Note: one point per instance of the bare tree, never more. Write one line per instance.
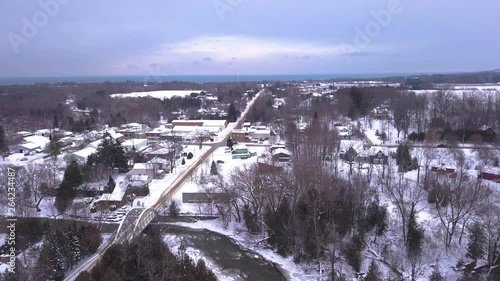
(463, 196)
(405, 195)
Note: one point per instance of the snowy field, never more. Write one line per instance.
(157, 94)
(463, 90)
(371, 127)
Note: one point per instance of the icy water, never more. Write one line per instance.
(229, 257)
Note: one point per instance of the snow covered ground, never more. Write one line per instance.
(371, 127)
(224, 169)
(157, 94)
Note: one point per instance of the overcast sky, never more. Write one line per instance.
(176, 37)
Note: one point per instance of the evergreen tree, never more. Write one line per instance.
(477, 241)
(202, 272)
(183, 162)
(213, 169)
(120, 158)
(232, 114)
(55, 122)
(414, 236)
(110, 152)
(277, 228)
(50, 262)
(55, 146)
(3, 142)
(403, 159)
(110, 186)
(66, 191)
(373, 273)
(72, 175)
(173, 209)
(352, 251)
(74, 248)
(229, 143)
(436, 275)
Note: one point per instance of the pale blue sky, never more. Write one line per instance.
(175, 37)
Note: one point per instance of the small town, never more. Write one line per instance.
(249, 141)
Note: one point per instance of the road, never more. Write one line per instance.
(166, 196)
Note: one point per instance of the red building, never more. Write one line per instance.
(491, 175)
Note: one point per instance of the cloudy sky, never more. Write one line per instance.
(179, 37)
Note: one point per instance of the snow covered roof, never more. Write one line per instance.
(140, 166)
(94, 144)
(115, 135)
(281, 151)
(355, 144)
(30, 145)
(43, 131)
(214, 123)
(38, 140)
(141, 178)
(135, 142)
(85, 153)
(160, 130)
(158, 160)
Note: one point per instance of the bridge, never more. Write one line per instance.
(136, 220)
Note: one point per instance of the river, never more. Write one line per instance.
(230, 258)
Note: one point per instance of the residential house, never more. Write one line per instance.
(379, 157)
(492, 174)
(81, 155)
(142, 169)
(344, 132)
(116, 198)
(281, 155)
(133, 131)
(27, 148)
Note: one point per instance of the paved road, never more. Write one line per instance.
(169, 192)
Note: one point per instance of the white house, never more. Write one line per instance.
(28, 147)
(38, 140)
(80, 156)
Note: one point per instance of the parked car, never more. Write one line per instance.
(442, 145)
(24, 159)
(220, 162)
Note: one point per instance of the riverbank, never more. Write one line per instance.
(238, 235)
(224, 256)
